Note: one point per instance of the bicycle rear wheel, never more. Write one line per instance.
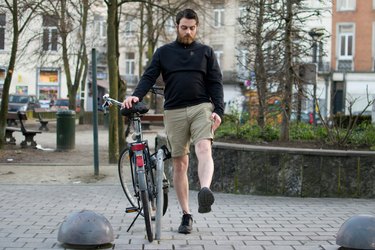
(147, 215)
(126, 171)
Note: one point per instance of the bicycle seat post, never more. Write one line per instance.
(137, 136)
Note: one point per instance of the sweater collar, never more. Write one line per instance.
(185, 45)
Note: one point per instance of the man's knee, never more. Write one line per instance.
(180, 162)
(203, 147)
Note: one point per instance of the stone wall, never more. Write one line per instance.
(247, 169)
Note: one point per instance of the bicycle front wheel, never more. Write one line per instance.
(147, 215)
(126, 170)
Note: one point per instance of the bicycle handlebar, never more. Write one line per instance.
(138, 107)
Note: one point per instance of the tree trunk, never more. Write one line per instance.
(113, 148)
(288, 84)
(9, 75)
(260, 70)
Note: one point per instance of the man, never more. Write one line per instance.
(193, 108)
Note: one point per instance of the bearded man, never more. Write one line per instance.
(193, 108)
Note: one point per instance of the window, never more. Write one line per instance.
(346, 41)
(50, 34)
(243, 15)
(345, 5)
(219, 56)
(48, 76)
(100, 26)
(129, 29)
(218, 17)
(242, 64)
(2, 31)
(129, 63)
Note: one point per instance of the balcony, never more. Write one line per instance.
(345, 65)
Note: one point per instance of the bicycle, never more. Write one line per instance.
(142, 173)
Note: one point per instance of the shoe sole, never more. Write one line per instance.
(184, 231)
(205, 200)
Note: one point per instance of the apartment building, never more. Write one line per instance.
(353, 55)
(219, 28)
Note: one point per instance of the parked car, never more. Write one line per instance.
(63, 104)
(44, 104)
(18, 102)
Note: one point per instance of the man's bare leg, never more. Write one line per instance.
(205, 172)
(205, 162)
(180, 181)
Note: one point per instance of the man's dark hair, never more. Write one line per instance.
(187, 13)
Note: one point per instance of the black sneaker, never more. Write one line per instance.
(186, 224)
(205, 200)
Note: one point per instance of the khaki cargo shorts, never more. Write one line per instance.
(188, 125)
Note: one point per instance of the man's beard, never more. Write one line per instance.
(185, 39)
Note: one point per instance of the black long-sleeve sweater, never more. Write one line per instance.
(191, 74)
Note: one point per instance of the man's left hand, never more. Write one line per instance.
(217, 121)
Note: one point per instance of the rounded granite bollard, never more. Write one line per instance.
(85, 228)
(358, 232)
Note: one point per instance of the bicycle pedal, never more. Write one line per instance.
(131, 209)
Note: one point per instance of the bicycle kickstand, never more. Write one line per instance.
(136, 217)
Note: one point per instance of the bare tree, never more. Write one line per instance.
(71, 20)
(154, 16)
(274, 34)
(339, 135)
(22, 12)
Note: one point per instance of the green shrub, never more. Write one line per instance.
(364, 134)
(301, 131)
(233, 128)
(270, 133)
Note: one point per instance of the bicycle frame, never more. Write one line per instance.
(147, 172)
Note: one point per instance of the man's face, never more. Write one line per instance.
(186, 31)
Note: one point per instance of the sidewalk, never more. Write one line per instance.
(34, 200)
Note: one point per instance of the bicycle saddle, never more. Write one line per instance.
(139, 107)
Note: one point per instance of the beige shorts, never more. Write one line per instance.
(188, 125)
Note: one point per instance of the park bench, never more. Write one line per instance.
(27, 133)
(152, 119)
(12, 118)
(43, 122)
(9, 138)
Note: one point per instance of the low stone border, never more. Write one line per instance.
(248, 169)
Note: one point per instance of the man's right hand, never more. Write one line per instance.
(128, 102)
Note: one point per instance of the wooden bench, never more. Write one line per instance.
(9, 138)
(12, 118)
(27, 133)
(152, 119)
(44, 122)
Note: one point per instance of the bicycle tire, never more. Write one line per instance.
(126, 171)
(165, 194)
(147, 215)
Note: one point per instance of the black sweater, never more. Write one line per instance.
(191, 74)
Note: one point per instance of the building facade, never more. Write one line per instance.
(353, 53)
(345, 56)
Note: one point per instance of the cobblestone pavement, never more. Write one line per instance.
(30, 216)
(33, 206)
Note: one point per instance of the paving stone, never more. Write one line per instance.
(30, 217)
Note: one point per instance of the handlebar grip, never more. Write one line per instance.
(139, 107)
